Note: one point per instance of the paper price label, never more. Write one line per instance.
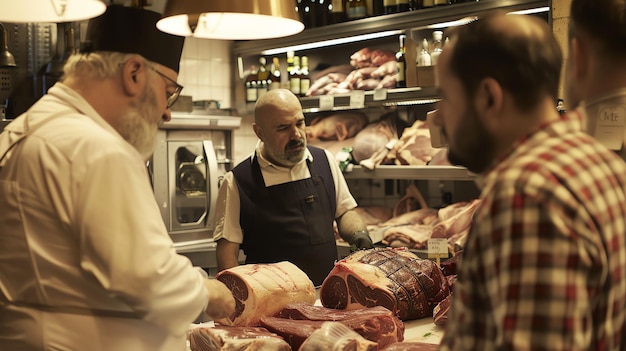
(609, 126)
(380, 94)
(438, 248)
(357, 99)
(327, 102)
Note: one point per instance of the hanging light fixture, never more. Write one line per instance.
(24, 11)
(6, 58)
(231, 19)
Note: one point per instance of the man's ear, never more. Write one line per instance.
(258, 131)
(488, 102)
(134, 76)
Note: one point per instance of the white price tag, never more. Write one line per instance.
(380, 94)
(357, 99)
(327, 102)
(438, 248)
(609, 126)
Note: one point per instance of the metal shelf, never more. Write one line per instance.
(400, 21)
(359, 99)
(411, 173)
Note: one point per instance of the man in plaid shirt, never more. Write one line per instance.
(544, 266)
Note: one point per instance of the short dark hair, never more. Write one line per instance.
(528, 66)
(604, 21)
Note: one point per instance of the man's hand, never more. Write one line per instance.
(221, 300)
(361, 240)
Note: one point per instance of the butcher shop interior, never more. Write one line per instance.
(362, 71)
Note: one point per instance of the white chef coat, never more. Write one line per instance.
(228, 204)
(80, 231)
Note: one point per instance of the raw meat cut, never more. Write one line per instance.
(393, 278)
(414, 147)
(440, 312)
(298, 321)
(413, 236)
(334, 336)
(411, 346)
(375, 136)
(456, 227)
(411, 201)
(376, 324)
(373, 214)
(226, 338)
(264, 289)
(367, 57)
(338, 126)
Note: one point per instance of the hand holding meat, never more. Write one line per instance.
(221, 300)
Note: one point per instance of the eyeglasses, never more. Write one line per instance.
(172, 96)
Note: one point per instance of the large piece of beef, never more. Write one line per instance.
(394, 278)
(334, 336)
(264, 289)
(226, 338)
(296, 322)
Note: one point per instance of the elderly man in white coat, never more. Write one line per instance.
(86, 262)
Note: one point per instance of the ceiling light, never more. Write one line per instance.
(55, 11)
(231, 19)
(6, 58)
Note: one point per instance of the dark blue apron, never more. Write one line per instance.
(291, 221)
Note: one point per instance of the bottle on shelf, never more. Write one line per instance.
(305, 79)
(357, 9)
(403, 5)
(275, 75)
(390, 6)
(262, 77)
(294, 76)
(251, 85)
(401, 63)
(437, 46)
(441, 2)
(424, 59)
(338, 12)
(428, 3)
(378, 7)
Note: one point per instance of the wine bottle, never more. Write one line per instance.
(437, 46)
(294, 76)
(402, 5)
(338, 11)
(305, 79)
(251, 85)
(356, 9)
(424, 59)
(262, 77)
(390, 6)
(401, 63)
(275, 75)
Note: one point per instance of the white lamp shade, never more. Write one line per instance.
(24, 11)
(231, 19)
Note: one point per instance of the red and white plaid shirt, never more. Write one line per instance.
(544, 267)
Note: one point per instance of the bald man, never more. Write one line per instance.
(280, 203)
(544, 266)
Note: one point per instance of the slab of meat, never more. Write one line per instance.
(334, 336)
(225, 338)
(264, 289)
(414, 147)
(298, 321)
(412, 236)
(376, 135)
(440, 312)
(373, 214)
(456, 227)
(393, 278)
(338, 126)
(411, 346)
(376, 324)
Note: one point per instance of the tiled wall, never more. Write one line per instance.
(207, 73)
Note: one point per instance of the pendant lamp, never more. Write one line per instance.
(53, 11)
(231, 19)
(6, 57)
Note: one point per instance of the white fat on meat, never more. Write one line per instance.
(264, 289)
